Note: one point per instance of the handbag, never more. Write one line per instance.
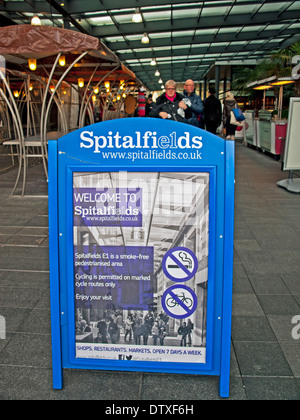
(238, 114)
(130, 104)
(233, 120)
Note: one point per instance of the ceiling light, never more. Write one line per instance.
(153, 62)
(137, 17)
(145, 39)
(160, 81)
(264, 82)
(62, 60)
(81, 82)
(157, 73)
(283, 81)
(32, 63)
(35, 21)
(262, 87)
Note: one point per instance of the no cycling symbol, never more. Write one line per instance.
(180, 264)
(179, 301)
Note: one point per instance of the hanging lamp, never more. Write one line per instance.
(80, 82)
(145, 39)
(62, 60)
(35, 21)
(137, 17)
(32, 63)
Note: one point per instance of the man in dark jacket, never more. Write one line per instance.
(212, 112)
(171, 105)
(183, 331)
(196, 103)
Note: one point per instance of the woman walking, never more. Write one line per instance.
(229, 104)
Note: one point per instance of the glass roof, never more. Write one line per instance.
(193, 35)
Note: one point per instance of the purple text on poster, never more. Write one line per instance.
(107, 206)
(114, 277)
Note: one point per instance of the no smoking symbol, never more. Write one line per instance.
(180, 264)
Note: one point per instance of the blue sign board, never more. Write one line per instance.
(140, 255)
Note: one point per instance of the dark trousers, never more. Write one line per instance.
(212, 128)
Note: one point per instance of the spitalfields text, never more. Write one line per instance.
(147, 140)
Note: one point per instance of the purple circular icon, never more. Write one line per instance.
(180, 264)
(179, 301)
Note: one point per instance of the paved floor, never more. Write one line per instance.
(265, 356)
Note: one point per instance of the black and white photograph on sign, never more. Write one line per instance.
(141, 265)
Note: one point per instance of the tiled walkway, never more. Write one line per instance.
(265, 356)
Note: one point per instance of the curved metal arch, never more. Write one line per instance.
(81, 120)
(54, 91)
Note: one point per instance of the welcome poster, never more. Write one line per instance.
(141, 265)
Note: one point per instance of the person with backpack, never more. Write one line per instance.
(212, 112)
(229, 104)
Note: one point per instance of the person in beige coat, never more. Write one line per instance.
(229, 104)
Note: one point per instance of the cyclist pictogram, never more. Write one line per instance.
(179, 301)
(171, 302)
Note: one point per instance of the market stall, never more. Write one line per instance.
(52, 81)
(291, 159)
(269, 128)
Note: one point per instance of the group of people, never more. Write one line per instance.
(152, 324)
(189, 108)
(137, 328)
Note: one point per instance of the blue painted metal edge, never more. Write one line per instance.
(220, 338)
(57, 370)
(68, 332)
(228, 268)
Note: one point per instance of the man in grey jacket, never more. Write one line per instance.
(196, 103)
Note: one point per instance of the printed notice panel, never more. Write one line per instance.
(107, 207)
(111, 274)
(141, 265)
